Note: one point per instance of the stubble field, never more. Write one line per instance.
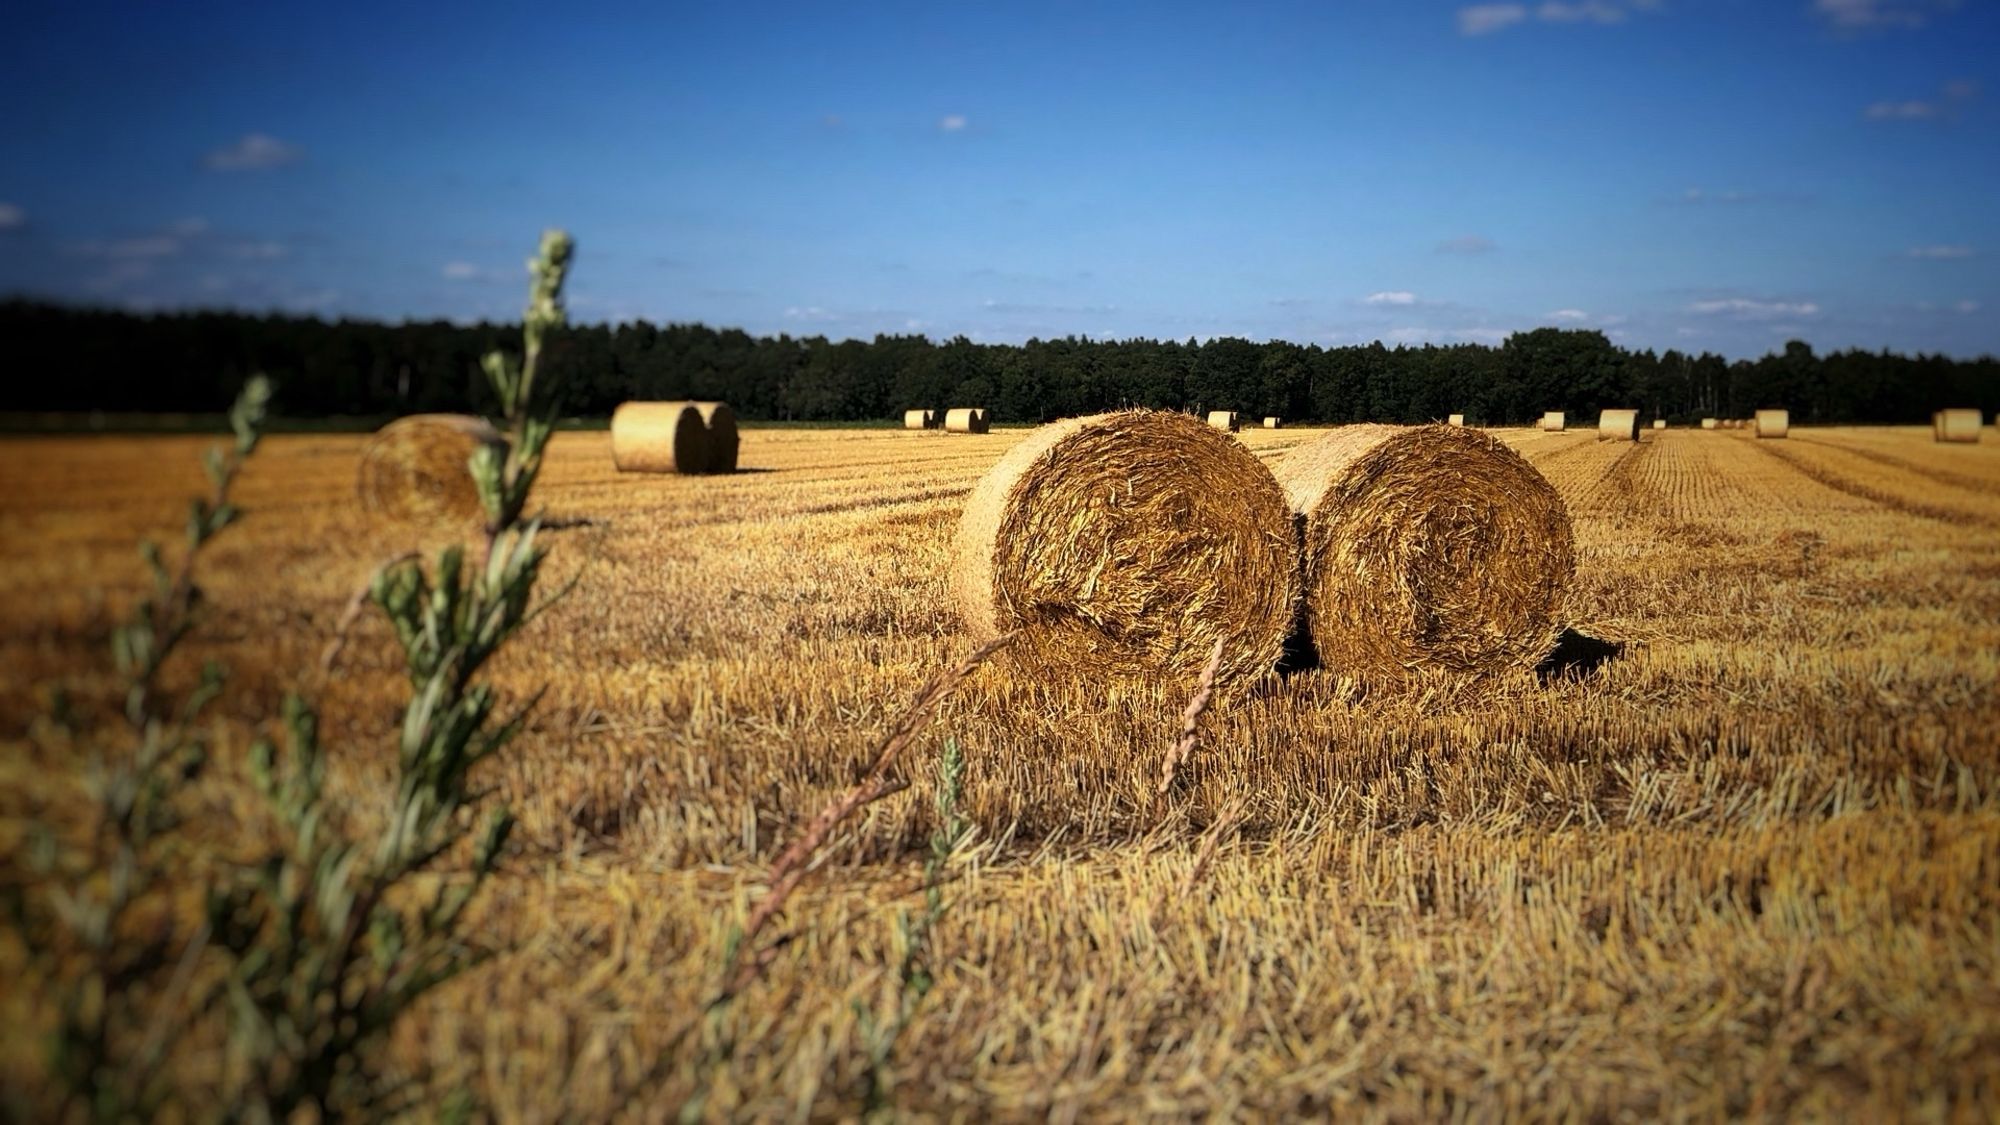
(1748, 864)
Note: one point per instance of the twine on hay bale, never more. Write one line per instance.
(1773, 423)
(674, 437)
(1552, 420)
(1957, 425)
(1618, 425)
(1224, 420)
(965, 420)
(920, 419)
(1427, 549)
(416, 469)
(1125, 545)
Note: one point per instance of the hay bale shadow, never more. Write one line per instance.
(1578, 654)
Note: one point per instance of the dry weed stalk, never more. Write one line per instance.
(1232, 815)
(1197, 706)
(746, 960)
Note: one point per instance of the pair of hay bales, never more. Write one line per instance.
(1126, 545)
(1958, 425)
(674, 437)
(1618, 425)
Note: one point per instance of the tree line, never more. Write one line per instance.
(87, 359)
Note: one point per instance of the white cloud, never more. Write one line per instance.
(812, 313)
(1590, 11)
(1967, 306)
(1569, 314)
(1466, 244)
(12, 217)
(1484, 19)
(1939, 253)
(1861, 15)
(1391, 297)
(253, 152)
(1743, 308)
(952, 122)
(461, 271)
(1900, 111)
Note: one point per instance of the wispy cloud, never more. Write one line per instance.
(952, 123)
(253, 152)
(1569, 315)
(1950, 99)
(1745, 308)
(1390, 297)
(812, 314)
(1939, 253)
(1485, 19)
(1466, 244)
(1700, 197)
(462, 271)
(1966, 306)
(1868, 15)
(12, 217)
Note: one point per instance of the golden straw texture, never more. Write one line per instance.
(1428, 549)
(1126, 545)
(1958, 425)
(415, 469)
(1773, 423)
(1618, 425)
(659, 437)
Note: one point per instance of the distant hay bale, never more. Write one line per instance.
(1456, 420)
(1708, 423)
(660, 437)
(1223, 420)
(416, 469)
(723, 441)
(1273, 422)
(1427, 549)
(1125, 545)
(920, 419)
(1659, 423)
(1552, 420)
(1959, 425)
(965, 420)
(1618, 425)
(1773, 423)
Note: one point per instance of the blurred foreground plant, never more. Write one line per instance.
(315, 951)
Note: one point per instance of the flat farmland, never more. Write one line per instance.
(1740, 857)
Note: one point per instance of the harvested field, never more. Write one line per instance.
(1735, 857)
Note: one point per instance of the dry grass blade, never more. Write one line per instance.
(1190, 721)
(875, 784)
(1232, 815)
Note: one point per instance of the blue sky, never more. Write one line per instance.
(1700, 174)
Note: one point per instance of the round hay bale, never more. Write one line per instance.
(1708, 423)
(659, 437)
(919, 419)
(1773, 423)
(1224, 420)
(1552, 420)
(1958, 425)
(965, 420)
(1125, 545)
(1273, 422)
(1428, 549)
(720, 422)
(1455, 420)
(1659, 423)
(416, 470)
(1618, 425)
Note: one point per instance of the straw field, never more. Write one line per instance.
(1741, 859)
